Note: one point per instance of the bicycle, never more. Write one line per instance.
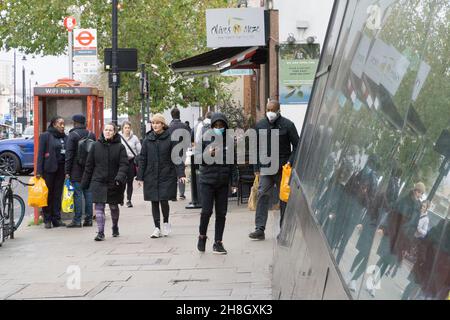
(12, 207)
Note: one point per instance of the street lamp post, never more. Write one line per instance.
(24, 99)
(14, 92)
(30, 95)
(114, 62)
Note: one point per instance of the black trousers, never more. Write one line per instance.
(214, 196)
(55, 184)
(157, 215)
(130, 178)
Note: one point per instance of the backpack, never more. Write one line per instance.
(84, 146)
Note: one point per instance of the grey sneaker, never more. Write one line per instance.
(258, 234)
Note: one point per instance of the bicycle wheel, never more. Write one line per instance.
(18, 210)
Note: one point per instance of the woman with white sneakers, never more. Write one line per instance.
(159, 174)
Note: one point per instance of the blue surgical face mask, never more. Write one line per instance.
(219, 130)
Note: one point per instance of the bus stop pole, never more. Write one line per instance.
(115, 72)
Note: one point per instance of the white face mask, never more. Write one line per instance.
(207, 121)
(271, 116)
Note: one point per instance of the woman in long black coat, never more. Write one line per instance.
(106, 175)
(50, 166)
(159, 173)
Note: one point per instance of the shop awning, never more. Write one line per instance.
(222, 59)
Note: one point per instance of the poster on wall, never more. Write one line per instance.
(298, 65)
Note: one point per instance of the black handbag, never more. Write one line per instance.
(136, 157)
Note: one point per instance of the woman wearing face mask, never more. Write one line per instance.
(50, 166)
(159, 174)
(133, 147)
(106, 175)
(215, 178)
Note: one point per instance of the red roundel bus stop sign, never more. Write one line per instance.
(70, 23)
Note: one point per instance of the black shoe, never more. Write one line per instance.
(58, 223)
(87, 223)
(100, 236)
(48, 225)
(115, 231)
(218, 248)
(258, 234)
(201, 243)
(129, 204)
(74, 225)
(182, 198)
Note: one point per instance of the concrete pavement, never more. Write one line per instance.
(63, 263)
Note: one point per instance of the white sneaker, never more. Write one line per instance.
(156, 233)
(166, 229)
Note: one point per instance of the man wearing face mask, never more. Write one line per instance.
(287, 145)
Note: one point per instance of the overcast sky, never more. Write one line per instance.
(46, 69)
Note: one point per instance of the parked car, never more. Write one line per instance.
(17, 155)
(28, 132)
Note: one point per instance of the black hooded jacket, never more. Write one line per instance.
(217, 173)
(287, 136)
(106, 171)
(49, 152)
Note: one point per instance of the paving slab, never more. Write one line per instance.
(40, 263)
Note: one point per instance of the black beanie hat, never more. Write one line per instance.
(79, 118)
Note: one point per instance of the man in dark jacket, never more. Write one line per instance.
(74, 171)
(174, 125)
(287, 137)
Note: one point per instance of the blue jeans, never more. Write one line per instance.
(78, 203)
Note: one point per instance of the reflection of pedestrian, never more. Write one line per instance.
(418, 252)
(159, 173)
(328, 204)
(430, 274)
(403, 221)
(359, 193)
(50, 165)
(106, 175)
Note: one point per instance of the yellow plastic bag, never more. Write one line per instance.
(67, 203)
(253, 199)
(37, 193)
(284, 185)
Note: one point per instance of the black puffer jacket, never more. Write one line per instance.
(106, 171)
(156, 168)
(217, 174)
(72, 167)
(287, 136)
(49, 153)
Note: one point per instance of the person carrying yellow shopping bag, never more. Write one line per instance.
(253, 199)
(277, 137)
(67, 203)
(284, 185)
(51, 158)
(37, 192)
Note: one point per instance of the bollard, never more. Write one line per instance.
(194, 204)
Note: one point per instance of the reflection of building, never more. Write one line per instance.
(5, 86)
(385, 115)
